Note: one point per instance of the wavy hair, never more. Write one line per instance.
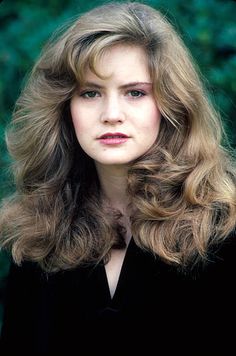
(182, 191)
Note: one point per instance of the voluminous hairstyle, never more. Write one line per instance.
(182, 191)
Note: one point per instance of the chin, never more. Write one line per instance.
(114, 162)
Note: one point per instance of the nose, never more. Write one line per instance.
(112, 111)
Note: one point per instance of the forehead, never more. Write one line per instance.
(120, 61)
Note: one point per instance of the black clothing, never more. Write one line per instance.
(156, 309)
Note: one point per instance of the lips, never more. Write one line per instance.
(110, 135)
(113, 138)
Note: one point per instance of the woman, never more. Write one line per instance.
(122, 226)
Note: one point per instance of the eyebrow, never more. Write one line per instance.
(124, 86)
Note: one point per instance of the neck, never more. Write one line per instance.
(113, 181)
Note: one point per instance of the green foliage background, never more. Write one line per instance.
(208, 27)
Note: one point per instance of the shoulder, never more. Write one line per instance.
(26, 270)
(220, 263)
(22, 280)
(224, 252)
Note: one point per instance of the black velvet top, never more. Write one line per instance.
(156, 309)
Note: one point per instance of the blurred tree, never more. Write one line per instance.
(207, 27)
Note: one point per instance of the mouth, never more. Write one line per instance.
(114, 138)
(110, 135)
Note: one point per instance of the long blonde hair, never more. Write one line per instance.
(182, 190)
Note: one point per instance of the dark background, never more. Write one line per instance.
(208, 27)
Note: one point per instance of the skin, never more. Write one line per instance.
(122, 103)
(117, 105)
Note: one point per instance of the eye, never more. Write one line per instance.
(89, 94)
(136, 93)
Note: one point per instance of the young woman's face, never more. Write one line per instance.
(116, 119)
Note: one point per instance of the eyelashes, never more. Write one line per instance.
(136, 93)
(91, 94)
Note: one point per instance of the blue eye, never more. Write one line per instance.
(136, 93)
(89, 94)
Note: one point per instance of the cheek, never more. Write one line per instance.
(151, 127)
(74, 114)
(77, 118)
(81, 131)
(153, 119)
(77, 124)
